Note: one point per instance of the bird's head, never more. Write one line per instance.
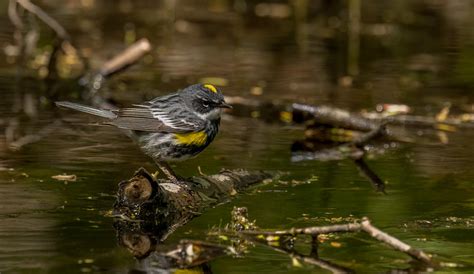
(205, 100)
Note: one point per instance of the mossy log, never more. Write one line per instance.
(158, 206)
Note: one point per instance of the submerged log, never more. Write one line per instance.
(159, 207)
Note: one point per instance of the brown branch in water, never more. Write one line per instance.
(337, 117)
(284, 240)
(280, 111)
(364, 225)
(119, 62)
(394, 242)
(423, 121)
(315, 230)
(43, 16)
(126, 58)
(13, 15)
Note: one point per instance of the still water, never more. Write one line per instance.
(417, 53)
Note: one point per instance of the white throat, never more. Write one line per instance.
(211, 115)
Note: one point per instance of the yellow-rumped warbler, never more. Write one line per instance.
(173, 127)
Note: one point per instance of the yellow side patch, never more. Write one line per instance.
(193, 138)
(211, 88)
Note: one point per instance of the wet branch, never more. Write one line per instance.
(364, 225)
(394, 242)
(313, 231)
(423, 121)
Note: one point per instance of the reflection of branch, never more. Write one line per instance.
(33, 138)
(191, 252)
(378, 184)
(186, 254)
(312, 260)
(365, 226)
(360, 141)
(337, 153)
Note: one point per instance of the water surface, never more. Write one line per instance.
(417, 53)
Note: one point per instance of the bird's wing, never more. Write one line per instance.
(159, 115)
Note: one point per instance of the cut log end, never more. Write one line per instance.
(138, 190)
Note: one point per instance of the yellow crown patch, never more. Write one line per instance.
(211, 88)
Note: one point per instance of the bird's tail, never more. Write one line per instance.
(90, 110)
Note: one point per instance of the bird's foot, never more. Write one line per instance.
(169, 173)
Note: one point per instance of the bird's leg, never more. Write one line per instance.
(166, 169)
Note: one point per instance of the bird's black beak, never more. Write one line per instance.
(224, 105)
